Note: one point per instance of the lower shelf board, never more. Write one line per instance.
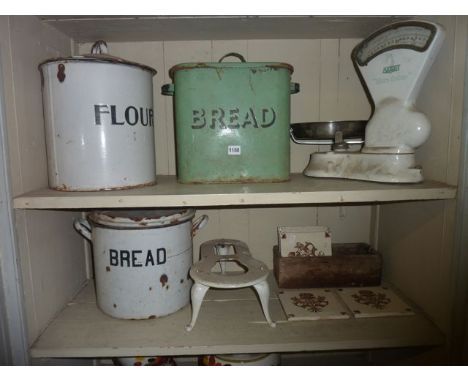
(230, 321)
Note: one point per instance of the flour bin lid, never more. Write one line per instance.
(98, 55)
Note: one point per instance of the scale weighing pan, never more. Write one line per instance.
(325, 133)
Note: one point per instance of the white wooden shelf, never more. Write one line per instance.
(183, 28)
(299, 190)
(229, 322)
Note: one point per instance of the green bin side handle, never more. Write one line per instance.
(168, 89)
(294, 88)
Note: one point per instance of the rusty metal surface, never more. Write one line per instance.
(66, 188)
(236, 181)
(231, 65)
(140, 219)
(97, 58)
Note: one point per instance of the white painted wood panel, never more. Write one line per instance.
(8, 88)
(160, 28)
(417, 239)
(435, 100)
(329, 79)
(221, 47)
(51, 255)
(228, 323)
(413, 255)
(348, 224)
(352, 101)
(342, 98)
(299, 190)
(56, 261)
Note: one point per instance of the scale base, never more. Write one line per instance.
(385, 168)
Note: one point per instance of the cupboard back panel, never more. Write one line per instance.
(330, 90)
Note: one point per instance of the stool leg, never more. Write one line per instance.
(263, 290)
(197, 292)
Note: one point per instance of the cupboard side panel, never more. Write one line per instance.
(10, 107)
(417, 239)
(411, 236)
(436, 100)
(15, 170)
(458, 155)
(51, 254)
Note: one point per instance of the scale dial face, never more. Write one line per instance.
(412, 35)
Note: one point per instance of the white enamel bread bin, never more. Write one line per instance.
(142, 260)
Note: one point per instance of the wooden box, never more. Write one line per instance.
(351, 264)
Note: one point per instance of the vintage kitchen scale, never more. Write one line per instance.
(392, 64)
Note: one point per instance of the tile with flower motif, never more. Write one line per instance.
(311, 304)
(374, 302)
(310, 241)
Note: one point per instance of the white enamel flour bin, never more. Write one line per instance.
(141, 260)
(99, 123)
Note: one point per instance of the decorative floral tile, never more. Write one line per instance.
(310, 241)
(373, 302)
(312, 304)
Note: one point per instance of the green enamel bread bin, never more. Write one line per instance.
(232, 120)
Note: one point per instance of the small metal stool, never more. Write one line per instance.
(218, 251)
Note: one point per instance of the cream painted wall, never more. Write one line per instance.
(51, 254)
